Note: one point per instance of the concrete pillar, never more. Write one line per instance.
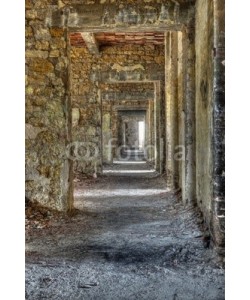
(157, 125)
(174, 108)
(106, 137)
(190, 169)
(114, 126)
(182, 132)
(147, 133)
(171, 75)
(180, 152)
(68, 164)
(218, 205)
(167, 103)
(150, 150)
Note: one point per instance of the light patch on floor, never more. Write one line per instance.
(128, 171)
(128, 162)
(120, 192)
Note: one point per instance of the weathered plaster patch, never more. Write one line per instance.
(75, 116)
(31, 132)
(118, 67)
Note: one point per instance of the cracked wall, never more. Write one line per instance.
(210, 105)
(48, 178)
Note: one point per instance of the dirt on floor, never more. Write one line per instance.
(130, 238)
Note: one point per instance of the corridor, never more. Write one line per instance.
(131, 239)
(125, 149)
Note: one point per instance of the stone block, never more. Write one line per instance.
(28, 32)
(36, 53)
(42, 45)
(56, 32)
(57, 43)
(39, 101)
(31, 132)
(42, 34)
(28, 4)
(41, 65)
(31, 14)
(29, 90)
(54, 53)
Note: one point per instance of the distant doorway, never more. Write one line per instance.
(141, 134)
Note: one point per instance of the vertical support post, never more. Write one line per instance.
(68, 113)
(190, 169)
(179, 153)
(167, 104)
(158, 122)
(124, 133)
(182, 88)
(150, 128)
(174, 108)
(218, 205)
(171, 75)
(101, 146)
(157, 125)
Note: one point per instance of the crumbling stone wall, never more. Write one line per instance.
(47, 124)
(210, 105)
(92, 75)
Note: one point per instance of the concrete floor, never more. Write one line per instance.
(131, 239)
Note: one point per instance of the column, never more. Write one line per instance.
(190, 169)
(218, 205)
(171, 77)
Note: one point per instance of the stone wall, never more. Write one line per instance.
(96, 79)
(210, 117)
(47, 122)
